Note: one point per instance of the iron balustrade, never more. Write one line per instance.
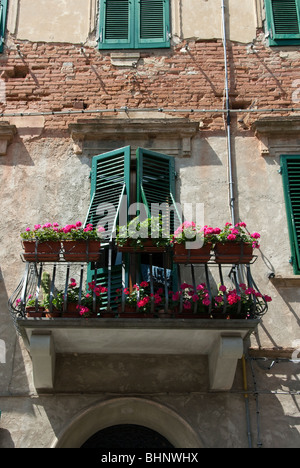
(30, 286)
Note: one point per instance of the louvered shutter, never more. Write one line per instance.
(153, 23)
(110, 184)
(116, 24)
(156, 183)
(3, 14)
(134, 24)
(291, 180)
(156, 186)
(283, 20)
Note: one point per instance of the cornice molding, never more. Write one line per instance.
(105, 129)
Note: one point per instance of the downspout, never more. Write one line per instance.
(228, 121)
(245, 384)
(232, 202)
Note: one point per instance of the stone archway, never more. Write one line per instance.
(130, 436)
(128, 411)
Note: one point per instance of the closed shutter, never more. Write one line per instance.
(283, 19)
(3, 14)
(153, 23)
(291, 180)
(116, 24)
(110, 184)
(134, 24)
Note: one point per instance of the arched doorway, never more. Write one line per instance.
(131, 436)
(128, 411)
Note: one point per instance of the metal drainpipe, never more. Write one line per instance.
(228, 121)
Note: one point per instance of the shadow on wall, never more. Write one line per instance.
(5, 439)
(17, 155)
(13, 377)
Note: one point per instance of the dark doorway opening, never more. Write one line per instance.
(127, 436)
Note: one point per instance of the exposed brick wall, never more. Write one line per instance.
(51, 77)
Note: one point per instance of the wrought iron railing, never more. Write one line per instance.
(67, 283)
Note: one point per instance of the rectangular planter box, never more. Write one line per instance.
(81, 251)
(41, 251)
(233, 253)
(186, 256)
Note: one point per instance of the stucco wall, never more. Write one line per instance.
(76, 21)
(44, 177)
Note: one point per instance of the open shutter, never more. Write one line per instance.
(153, 23)
(3, 14)
(283, 20)
(291, 180)
(110, 185)
(156, 182)
(156, 186)
(116, 24)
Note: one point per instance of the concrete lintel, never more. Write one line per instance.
(223, 362)
(43, 360)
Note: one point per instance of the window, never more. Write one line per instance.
(134, 24)
(3, 14)
(283, 22)
(290, 166)
(118, 180)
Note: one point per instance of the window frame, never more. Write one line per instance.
(276, 39)
(134, 40)
(295, 245)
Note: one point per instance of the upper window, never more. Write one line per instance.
(134, 24)
(283, 22)
(290, 166)
(3, 13)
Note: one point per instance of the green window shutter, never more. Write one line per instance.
(134, 24)
(283, 22)
(291, 182)
(156, 182)
(110, 182)
(3, 15)
(153, 23)
(156, 185)
(116, 24)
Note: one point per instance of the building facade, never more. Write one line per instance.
(208, 95)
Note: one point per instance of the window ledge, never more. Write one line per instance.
(125, 59)
(288, 281)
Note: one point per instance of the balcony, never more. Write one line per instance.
(175, 325)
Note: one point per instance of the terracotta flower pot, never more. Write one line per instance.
(41, 251)
(32, 313)
(183, 255)
(54, 314)
(72, 311)
(81, 251)
(232, 252)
